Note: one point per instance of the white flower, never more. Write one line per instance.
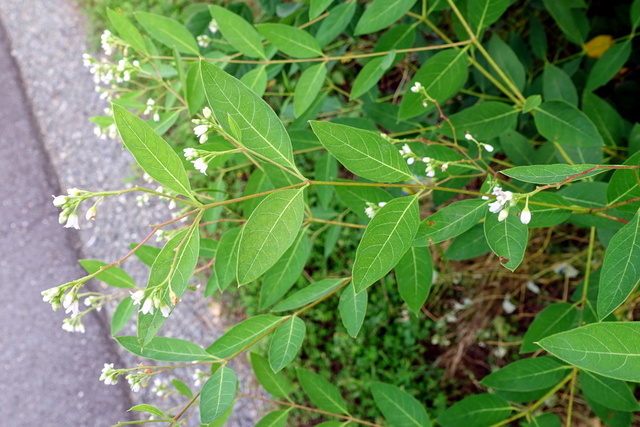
(201, 130)
(203, 138)
(59, 201)
(382, 204)
(190, 153)
(369, 212)
(156, 117)
(410, 160)
(533, 287)
(213, 26)
(51, 294)
(200, 165)
(525, 215)
(165, 310)
(507, 305)
(137, 296)
(503, 215)
(70, 304)
(109, 374)
(105, 40)
(495, 207)
(488, 147)
(91, 213)
(147, 307)
(206, 112)
(566, 269)
(468, 136)
(444, 166)
(417, 86)
(430, 171)
(406, 149)
(72, 222)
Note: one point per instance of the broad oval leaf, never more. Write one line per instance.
(269, 232)
(217, 394)
(613, 394)
(414, 274)
(450, 221)
(243, 335)
(113, 276)
(611, 349)
(563, 123)
(479, 410)
(227, 257)
(620, 274)
(164, 349)
(484, 121)
(442, 75)
(528, 375)
(543, 215)
(127, 31)
(353, 308)
(308, 87)
(382, 13)
(256, 80)
(286, 342)
(385, 241)
(399, 408)
(317, 7)
(262, 131)
(333, 25)
(552, 174)
(623, 185)
(556, 84)
(470, 244)
(121, 315)
(364, 153)
(508, 62)
(507, 239)
(483, 13)
(275, 384)
(168, 32)
(173, 265)
(608, 65)
(307, 295)
(322, 393)
(151, 152)
(368, 77)
(274, 419)
(565, 18)
(239, 33)
(284, 273)
(557, 317)
(292, 41)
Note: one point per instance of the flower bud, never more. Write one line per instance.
(525, 215)
(503, 215)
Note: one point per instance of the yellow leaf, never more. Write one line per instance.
(597, 46)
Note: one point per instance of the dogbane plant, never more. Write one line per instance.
(425, 124)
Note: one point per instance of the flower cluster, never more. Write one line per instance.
(431, 164)
(504, 201)
(197, 157)
(109, 374)
(372, 209)
(69, 204)
(203, 126)
(152, 109)
(151, 302)
(109, 72)
(418, 88)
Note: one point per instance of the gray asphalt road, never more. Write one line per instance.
(48, 377)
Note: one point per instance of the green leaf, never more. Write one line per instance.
(151, 152)
(556, 84)
(256, 80)
(262, 131)
(604, 116)
(364, 153)
(145, 253)
(414, 274)
(554, 318)
(483, 13)
(127, 31)
(113, 276)
(386, 239)
(609, 417)
(274, 419)
(217, 394)
(611, 349)
(227, 257)
(174, 266)
(356, 197)
(291, 41)
(150, 409)
(169, 32)
(322, 393)
(624, 185)
(165, 349)
(507, 239)
(243, 335)
(527, 375)
(484, 121)
(507, 61)
(608, 65)
(368, 77)
(326, 169)
(563, 123)
(353, 308)
(275, 384)
(286, 342)
(614, 394)
(268, 233)
(121, 315)
(239, 33)
(382, 13)
(469, 244)
(442, 76)
(551, 174)
(479, 410)
(307, 295)
(531, 102)
(562, 13)
(398, 407)
(308, 87)
(334, 24)
(182, 388)
(317, 7)
(284, 273)
(194, 89)
(450, 221)
(620, 274)
(545, 420)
